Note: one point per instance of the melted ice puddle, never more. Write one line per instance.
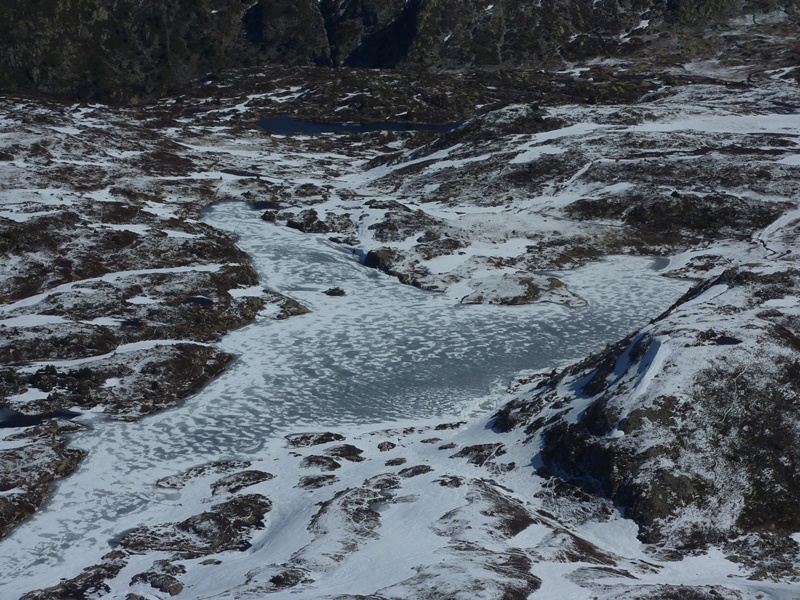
(383, 352)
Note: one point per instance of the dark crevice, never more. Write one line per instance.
(328, 9)
(252, 23)
(387, 47)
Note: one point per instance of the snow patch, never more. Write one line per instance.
(30, 395)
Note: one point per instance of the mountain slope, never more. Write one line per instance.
(125, 50)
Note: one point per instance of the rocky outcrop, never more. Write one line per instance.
(89, 583)
(225, 526)
(30, 463)
(690, 425)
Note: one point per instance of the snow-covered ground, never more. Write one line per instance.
(383, 354)
(439, 510)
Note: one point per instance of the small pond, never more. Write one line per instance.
(286, 125)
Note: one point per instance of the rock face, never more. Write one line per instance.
(370, 33)
(106, 49)
(447, 34)
(290, 32)
(123, 50)
(127, 50)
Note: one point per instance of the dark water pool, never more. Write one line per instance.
(285, 125)
(12, 418)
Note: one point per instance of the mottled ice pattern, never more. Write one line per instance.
(384, 352)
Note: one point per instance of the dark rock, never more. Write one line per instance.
(34, 467)
(347, 452)
(268, 205)
(575, 549)
(168, 584)
(401, 222)
(240, 173)
(504, 420)
(414, 471)
(445, 34)
(215, 468)
(127, 50)
(309, 190)
(446, 426)
(725, 340)
(385, 259)
(308, 221)
(766, 556)
(288, 32)
(288, 578)
(717, 409)
(386, 446)
(441, 247)
(678, 220)
(335, 292)
(348, 518)
(326, 463)
(289, 307)
(113, 50)
(226, 526)
(509, 514)
(395, 462)
(312, 482)
(162, 576)
(237, 481)
(368, 33)
(480, 454)
(90, 583)
(382, 259)
(451, 481)
(304, 440)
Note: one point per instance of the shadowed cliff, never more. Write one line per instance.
(123, 50)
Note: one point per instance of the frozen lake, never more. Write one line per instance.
(384, 352)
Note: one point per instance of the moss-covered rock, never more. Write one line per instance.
(111, 50)
(288, 32)
(124, 50)
(129, 50)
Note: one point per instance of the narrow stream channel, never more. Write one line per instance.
(383, 352)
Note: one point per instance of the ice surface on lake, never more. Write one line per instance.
(383, 352)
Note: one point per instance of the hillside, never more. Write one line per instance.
(125, 51)
(509, 309)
